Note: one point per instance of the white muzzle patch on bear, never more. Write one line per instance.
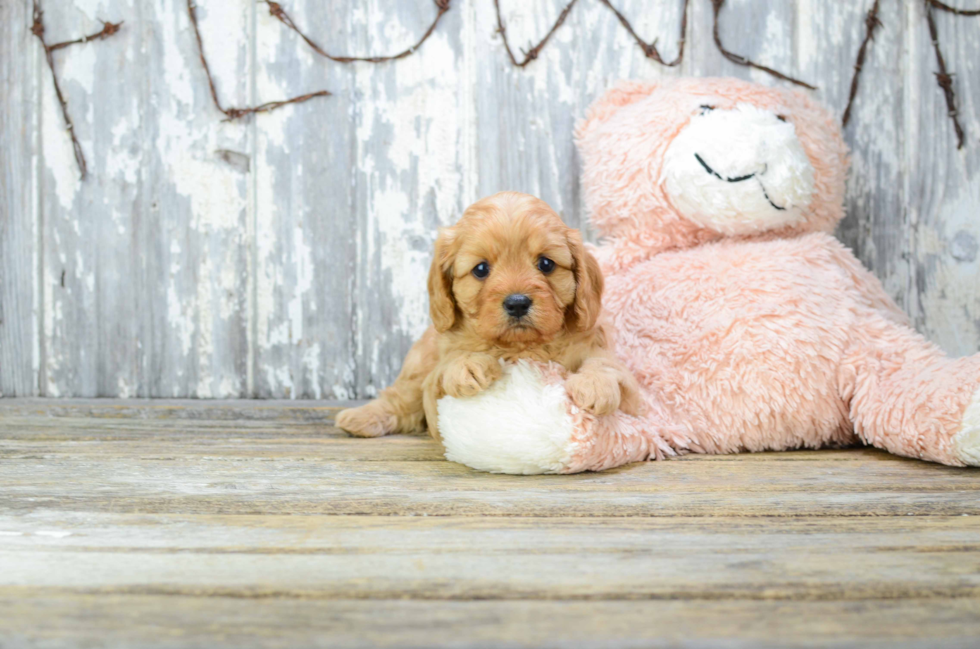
(738, 171)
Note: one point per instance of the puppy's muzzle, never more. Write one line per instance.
(517, 305)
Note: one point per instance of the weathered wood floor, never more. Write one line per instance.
(163, 524)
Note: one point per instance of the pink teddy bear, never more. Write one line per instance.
(748, 326)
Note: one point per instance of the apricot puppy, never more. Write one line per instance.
(509, 281)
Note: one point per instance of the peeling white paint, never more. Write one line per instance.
(123, 389)
(249, 250)
(951, 301)
(311, 363)
(180, 319)
(57, 147)
(122, 162)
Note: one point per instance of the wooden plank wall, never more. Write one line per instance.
(284, 256)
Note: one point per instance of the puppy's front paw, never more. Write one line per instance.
(369, 420)
(595, 393)
(468, 375)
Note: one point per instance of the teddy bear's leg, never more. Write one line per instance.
(600, 443)
(907, 397)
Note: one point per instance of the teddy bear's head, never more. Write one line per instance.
(690, 160)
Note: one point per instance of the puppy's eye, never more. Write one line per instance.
(545, 265)
(781, 118)
(481, 270)
(705, 108)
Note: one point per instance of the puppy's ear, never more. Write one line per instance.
(442, 306)
(583, 313)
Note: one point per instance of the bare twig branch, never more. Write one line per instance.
(871, 23)
(108, 29)
(268, 107)
(741, 60)
(276, 10)
(943, 77)
(650, 49)
(953, 10)
(532, 53)
(37, 28)
(232, 113)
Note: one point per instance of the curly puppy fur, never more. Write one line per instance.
(507, 252)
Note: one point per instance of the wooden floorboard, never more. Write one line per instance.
(231, 524)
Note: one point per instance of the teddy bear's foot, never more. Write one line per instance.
(966, 443)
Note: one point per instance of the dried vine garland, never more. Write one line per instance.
(650, 49)
(944, 78)
(716, 5)
(953, 10)
(871, 23)
(277, 12)
(37, 28)
(230, 112)
(532, 52)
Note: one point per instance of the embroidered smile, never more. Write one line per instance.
(739, 179)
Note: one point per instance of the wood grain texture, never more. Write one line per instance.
(195, 240)
(192, 458)
(223, 524)
(449, 558)
(162, 621)
(944, 184)
(283, 256)
(407, 175)
(305, 257)
(876, 205)
(88, 330)
(19, 66)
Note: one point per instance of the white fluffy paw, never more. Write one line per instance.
(966, 443)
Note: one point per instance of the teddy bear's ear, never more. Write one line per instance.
(622, 94)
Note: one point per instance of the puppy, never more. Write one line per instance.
(508, 281)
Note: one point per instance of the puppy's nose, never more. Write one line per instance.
(517, 305)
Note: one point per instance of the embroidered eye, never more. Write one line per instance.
(545, 265)
(706, 109)
(481, 270)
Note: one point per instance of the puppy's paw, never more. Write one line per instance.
(595, 393)
(468, 375)
(369, 420)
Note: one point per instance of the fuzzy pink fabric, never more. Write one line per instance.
(776, 341)
(600, 443)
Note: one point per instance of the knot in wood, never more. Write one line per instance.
(108, 29)
(872, 22)
(275, 9)
(944, 80)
